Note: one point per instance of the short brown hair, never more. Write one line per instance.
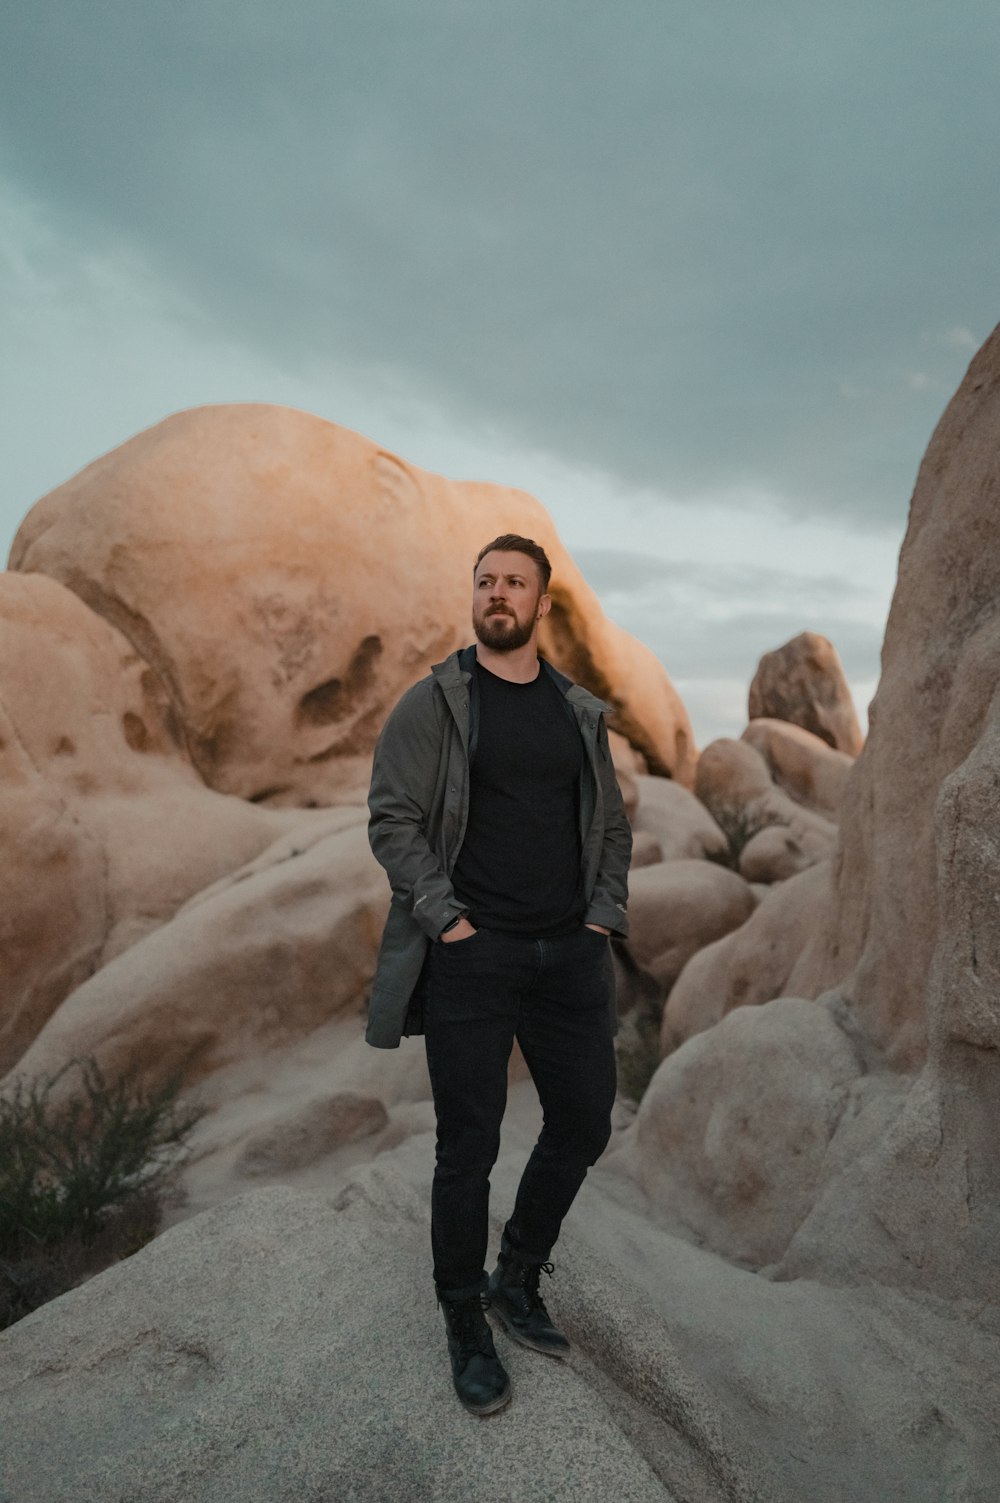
(510, 542)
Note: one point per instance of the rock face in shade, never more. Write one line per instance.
(105, 826)
(907, 804)
(288, 579)
(803, 682)
(906, 957)
(251, 1354)
(917, 883)
(247, 1355)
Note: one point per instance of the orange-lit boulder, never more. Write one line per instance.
(288, 579)
(106, 827)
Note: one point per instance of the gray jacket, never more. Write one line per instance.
(419, 805)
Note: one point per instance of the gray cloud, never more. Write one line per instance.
(711, 625)
(620, 570)
(695, 247)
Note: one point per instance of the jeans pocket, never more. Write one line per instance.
(460, 944)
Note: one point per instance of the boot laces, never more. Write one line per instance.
(468, 1327)
(527, 1275)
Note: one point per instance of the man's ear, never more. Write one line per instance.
(544, 606)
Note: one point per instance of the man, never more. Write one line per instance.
(496, 813)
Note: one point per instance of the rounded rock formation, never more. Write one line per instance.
(803, 682)
(732, 1133)
(754, 963)
(677, 907)
(288, 580)
(734, 783)
(681, 826)
(802, 764)
(106, 827)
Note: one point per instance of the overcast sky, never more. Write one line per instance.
(701, 276)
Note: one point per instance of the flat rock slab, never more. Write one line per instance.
(278, 1348)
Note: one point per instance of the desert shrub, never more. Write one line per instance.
(84, 1175)
(641, 1001)
(739, 827)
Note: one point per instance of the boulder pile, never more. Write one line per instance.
(780, 1281)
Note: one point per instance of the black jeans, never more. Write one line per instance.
(552, 995)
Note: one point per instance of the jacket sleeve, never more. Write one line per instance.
(404, 777)
(609, 900)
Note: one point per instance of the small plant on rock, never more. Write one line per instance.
(739, 827)
(84, 1176)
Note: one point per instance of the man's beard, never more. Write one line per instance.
(502, 632)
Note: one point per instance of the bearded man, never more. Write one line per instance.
(496, 813)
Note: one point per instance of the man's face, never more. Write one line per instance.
(507, 600)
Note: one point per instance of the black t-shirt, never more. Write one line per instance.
(519, 866)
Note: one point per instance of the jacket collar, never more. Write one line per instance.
(456, 671)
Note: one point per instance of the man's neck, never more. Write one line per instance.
(518, 667)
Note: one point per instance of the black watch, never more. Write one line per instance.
(456, 920)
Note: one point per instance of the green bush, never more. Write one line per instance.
(84, 1175)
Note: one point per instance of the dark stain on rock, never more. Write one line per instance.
(335, 699)
(135, 731)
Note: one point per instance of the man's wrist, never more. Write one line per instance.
(452, 924)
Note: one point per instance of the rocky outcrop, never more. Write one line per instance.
(917, 884)
(803, 682)
(255, 1352)
(106, 827)
(288, 579)
(906, 961)
(286, 1345)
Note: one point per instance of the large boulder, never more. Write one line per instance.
(803, 682)
(732, 1134)
(905, 809)
(281, 1348)
(256, 961)
(917, 883)
(106, 827)
(681, 826)
(909, 951)
(753, 964)
(677, 907)
(286, 1346)
(288, 579)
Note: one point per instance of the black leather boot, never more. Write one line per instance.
(481, 1381)
(513, 1295)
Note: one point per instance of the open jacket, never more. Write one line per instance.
(419, 806)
